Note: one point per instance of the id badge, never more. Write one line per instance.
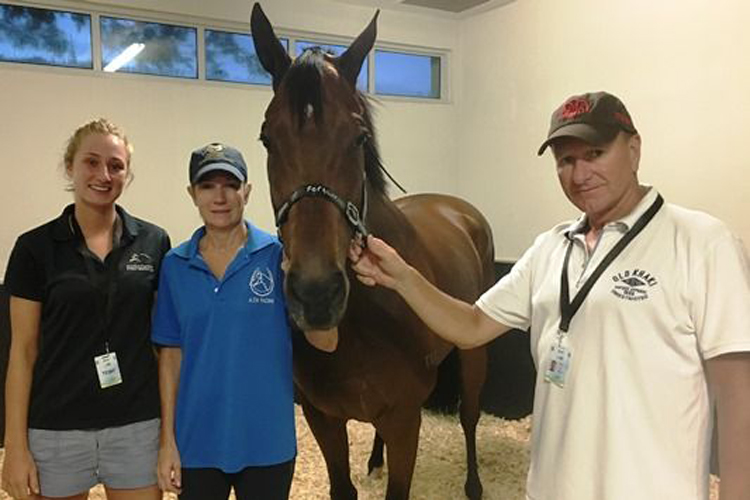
(108, 370)
(559, 362)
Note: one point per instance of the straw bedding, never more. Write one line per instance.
(440, 471)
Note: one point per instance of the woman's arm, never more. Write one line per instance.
(19, 471)
(169, 468)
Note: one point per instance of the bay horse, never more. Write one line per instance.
(377, 362)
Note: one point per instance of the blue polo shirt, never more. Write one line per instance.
(235, 401)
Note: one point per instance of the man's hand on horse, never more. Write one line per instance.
(378, 263)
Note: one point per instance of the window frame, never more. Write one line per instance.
(230, 32)
(63, 10)
(443, 86)
(125, 17)
(200, 24)
(328, 39)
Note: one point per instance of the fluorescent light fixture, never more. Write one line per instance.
(125, 57)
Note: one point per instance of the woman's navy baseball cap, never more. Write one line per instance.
(217, 156)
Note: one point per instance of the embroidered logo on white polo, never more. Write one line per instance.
(633, 284)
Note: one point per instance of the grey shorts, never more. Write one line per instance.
(71, 462)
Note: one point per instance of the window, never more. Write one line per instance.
(336, 50)
(150, 48)
(231, 57)
(61, 38)
(42, 36)
(402, 74)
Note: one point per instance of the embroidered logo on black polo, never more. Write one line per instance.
(262, 285)
(633, 284)
(141, 262)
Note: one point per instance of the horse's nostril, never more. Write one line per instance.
(337, 285)
(319, 301)
(320, 292)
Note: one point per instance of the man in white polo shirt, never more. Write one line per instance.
(639, 314)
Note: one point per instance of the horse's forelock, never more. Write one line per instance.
(303, 83)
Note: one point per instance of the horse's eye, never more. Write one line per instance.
(361, 139)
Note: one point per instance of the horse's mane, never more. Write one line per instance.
(303, 84)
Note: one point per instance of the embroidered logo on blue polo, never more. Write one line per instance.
(140, 262)
(262, 285)
(633, 284)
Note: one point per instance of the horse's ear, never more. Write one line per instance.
(271, 53)
(350, 62)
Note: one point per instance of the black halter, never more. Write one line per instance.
(350, 212)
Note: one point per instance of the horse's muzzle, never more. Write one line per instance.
(316, 303)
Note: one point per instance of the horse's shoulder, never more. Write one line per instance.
(454, 241)
(431, 209)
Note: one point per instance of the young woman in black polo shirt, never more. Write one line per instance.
(82, 401)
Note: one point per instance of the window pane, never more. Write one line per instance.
(150, 48)
(231, 57)
(44, 36)
(411, 75)
(336, 50)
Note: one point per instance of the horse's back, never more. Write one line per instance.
(457, 240)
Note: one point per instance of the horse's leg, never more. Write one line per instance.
(330, 433)
(400, 432)
(473, 372)
(376, 455)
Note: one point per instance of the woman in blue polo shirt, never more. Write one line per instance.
(225, 361)
(82, 400)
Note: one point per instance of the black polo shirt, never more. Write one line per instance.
(88, 304)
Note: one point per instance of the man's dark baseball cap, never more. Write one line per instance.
(217, 156)
(595, 117)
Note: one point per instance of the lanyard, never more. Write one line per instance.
(569, 309)
(105, 288)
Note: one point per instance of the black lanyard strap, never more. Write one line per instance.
(104, 284)
(569, 309)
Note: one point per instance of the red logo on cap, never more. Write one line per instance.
(575, 107)
(623, 118)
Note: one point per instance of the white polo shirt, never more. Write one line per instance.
(633, 420)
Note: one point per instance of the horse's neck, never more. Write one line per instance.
(389, 223)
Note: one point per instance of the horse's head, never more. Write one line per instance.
(322, 162)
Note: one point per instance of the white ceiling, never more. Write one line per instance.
(460, 8)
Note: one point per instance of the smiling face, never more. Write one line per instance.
(99, 170)
(221, 199)
(601, 180)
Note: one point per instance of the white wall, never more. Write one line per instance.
(167, 118)
(682, 68)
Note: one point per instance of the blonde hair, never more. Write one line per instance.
(98, 126)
